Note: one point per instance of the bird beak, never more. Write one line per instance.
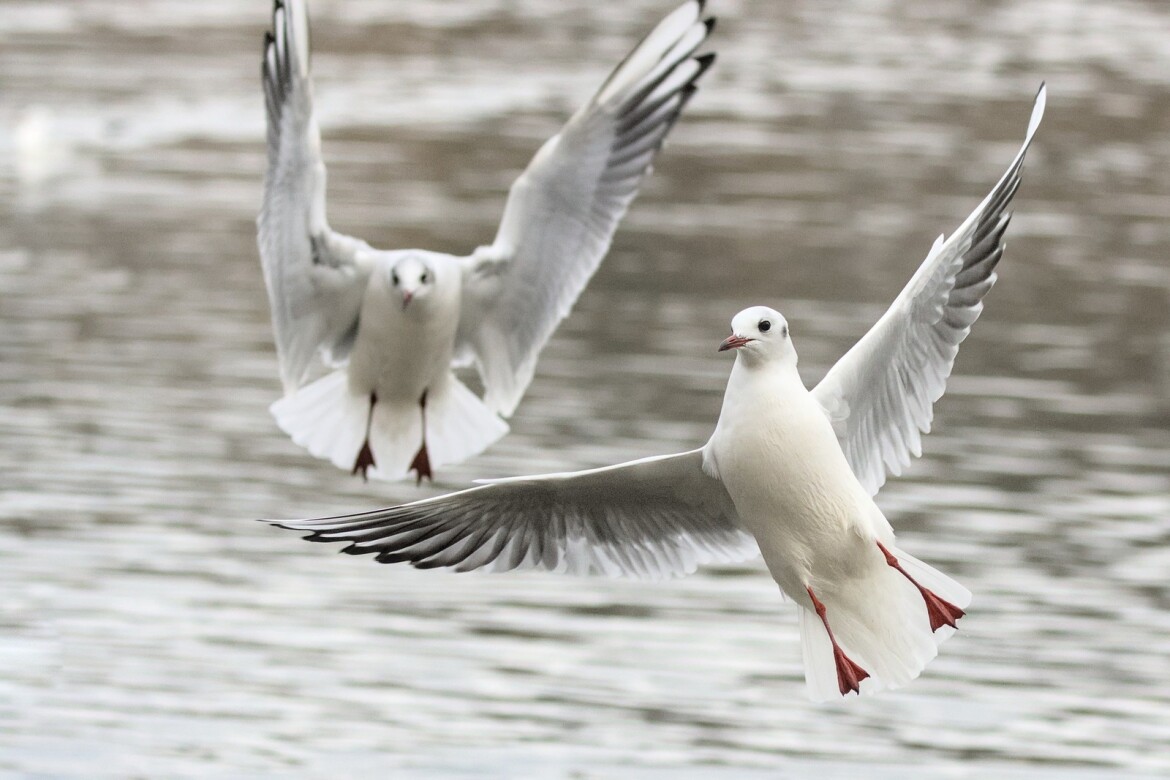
(407, 297)
(733, 342)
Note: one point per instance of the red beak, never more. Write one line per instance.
(407, 297)
(733, 342)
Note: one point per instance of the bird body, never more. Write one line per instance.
(397, 395)
(818, 529)
(402, 350)
(782, 465)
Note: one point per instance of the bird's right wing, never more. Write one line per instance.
(650, 518)
(315, 276)
(880, 395)
(563, 211)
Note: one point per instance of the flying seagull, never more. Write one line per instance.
(393, 324)
(788, 472)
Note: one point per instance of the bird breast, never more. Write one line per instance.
(779, 459)
(400, 352)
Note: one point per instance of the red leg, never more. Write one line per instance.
(941, 612)
(849, 674)
(421, 464)
(365, 456)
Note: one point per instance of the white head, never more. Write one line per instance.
(760, 335)
(412, 278)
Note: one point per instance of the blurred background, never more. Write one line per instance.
(149, 628)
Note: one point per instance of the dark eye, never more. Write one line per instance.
(394, 277)
(423, 278)
(765, 326)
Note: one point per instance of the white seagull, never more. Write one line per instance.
(788, 472)
(394, 323)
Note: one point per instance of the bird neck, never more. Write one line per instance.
(751, 373)
(770, 364)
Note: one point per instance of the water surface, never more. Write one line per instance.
(148, 627)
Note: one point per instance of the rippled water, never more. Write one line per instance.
(149, 628)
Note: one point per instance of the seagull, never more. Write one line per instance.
(788, 472)
(393, 324)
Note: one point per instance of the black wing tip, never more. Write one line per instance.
(685, 95)
(705, 62)
(709, 23)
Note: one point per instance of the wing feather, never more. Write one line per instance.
(880, 395)
(562, 212)
(649, 518)
(314, 275)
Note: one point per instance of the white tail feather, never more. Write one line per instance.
(820, 672)
(459, 425)
(880, 621)
(325, 418)
(329, 420)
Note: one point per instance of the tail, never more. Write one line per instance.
(325, 418)
(459, 425)
(881, 622)
(329, 420)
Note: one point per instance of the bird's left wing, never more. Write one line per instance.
(315, 275)
(651, 518)
(563, 210)
(880, 395)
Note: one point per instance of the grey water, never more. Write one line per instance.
(150, 628)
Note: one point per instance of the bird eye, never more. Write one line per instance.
(423, 278)
(765, 326)
(394, 277)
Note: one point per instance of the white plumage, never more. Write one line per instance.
(787, 472)
(396, 321)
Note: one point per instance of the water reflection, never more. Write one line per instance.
(149, 627)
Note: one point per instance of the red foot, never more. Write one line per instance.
(421, 465)
(849, 674)
(365, 460)
(941, 612)
(365, 456)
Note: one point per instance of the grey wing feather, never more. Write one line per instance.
(650, 518)
(562, 212)
(880, 395)
(315, 276)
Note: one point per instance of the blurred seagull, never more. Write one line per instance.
(788, 472)
(395, 322)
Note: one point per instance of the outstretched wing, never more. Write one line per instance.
(315, 277)
(563, 210)
(649, 518)
(880, 395)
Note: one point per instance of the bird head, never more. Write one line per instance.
(760, 334)
(412, 278)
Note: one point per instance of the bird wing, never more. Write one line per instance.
(562, 212)
(650, 518)
(315, 276)
(880, 395)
